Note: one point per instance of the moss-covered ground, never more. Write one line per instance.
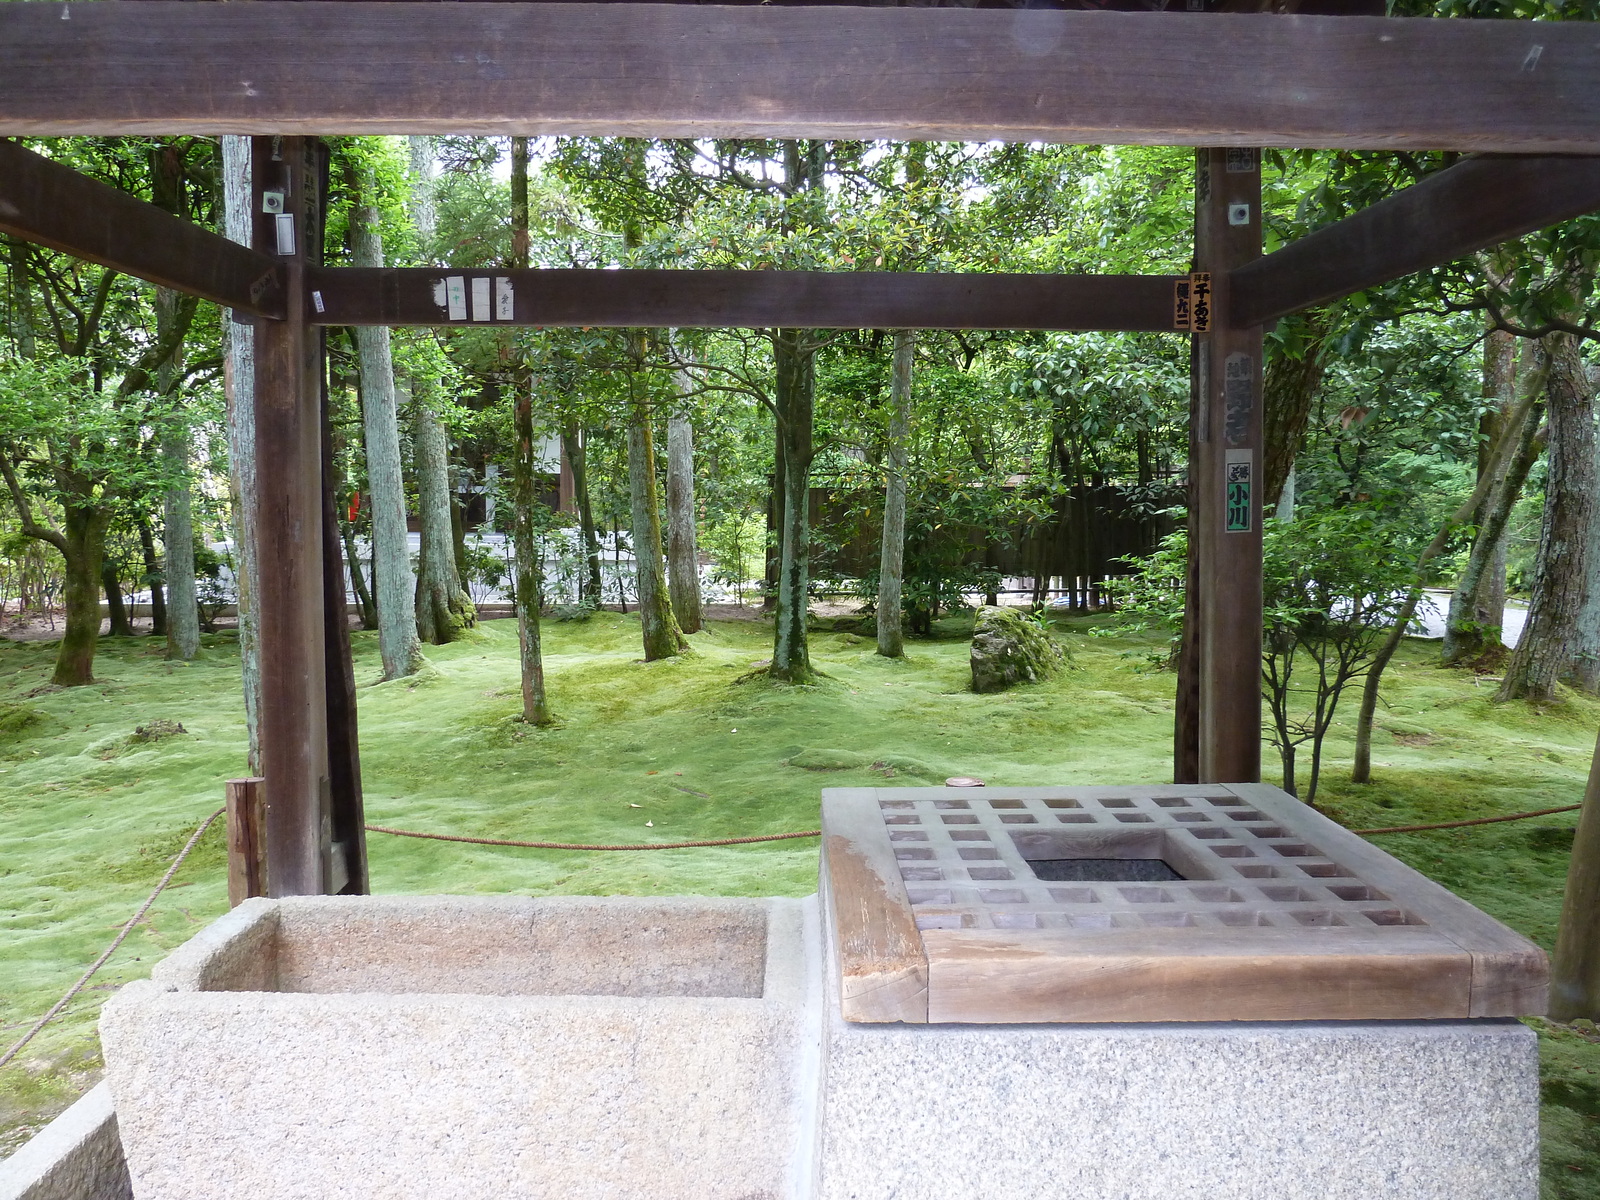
(90, 815)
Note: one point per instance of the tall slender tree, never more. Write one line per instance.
(443, 607)
(239, 384)
(662, 637)
(683, 558)
(524, 485)
(394, 591)
(168, 192)
(892, 554)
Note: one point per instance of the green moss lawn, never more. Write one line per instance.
(90, 815)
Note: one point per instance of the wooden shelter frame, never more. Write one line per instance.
(1521, 98)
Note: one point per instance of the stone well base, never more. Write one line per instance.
(1312, 1110)
(693, 1050)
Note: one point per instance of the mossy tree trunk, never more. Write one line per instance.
(443, 608)
(1547, 649)
(892, 554)
(82, 546)
(662, 637)
(795, 394)
(683, 559)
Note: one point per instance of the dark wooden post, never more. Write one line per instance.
(246, 868)
(347, 822)
(289, 531)
(1225, 479)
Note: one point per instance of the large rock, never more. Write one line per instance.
(1008, 648)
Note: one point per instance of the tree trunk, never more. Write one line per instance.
(1545, 653)
(1575, 969)
(529, 552)
(394, 591)
(84, 530)
(239, 386)
(662, 637)
(683, 559)
(524, 488)
(892, 555)
(358, 583)
(443, 609)
(153, 580)
(573, 442)
(183, 605)
(183, 615)
(1288, 388)
(1472, 631)
(795, 360)
(117, 623)
(773, 567)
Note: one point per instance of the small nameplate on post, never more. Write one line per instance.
(455, 289)
(480, 298)
(1180, 304)
(1200, 302)
(504, 299)
(1241, 160)
(1238, 466)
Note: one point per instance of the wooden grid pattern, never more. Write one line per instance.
(964, 869)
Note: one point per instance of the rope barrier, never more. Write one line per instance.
(478, 841)
(112, 949)
(1523, 816)
(194, 840)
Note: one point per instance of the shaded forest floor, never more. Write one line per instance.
(90, 815)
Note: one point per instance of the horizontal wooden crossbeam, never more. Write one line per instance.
(739, 299)
(53, 205)
(1477, 203)
(668, 70)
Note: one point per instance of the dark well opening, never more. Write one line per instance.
(1101, 855)
(1103, 870)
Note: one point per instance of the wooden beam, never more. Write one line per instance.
(288, 526)
(668, 70)
(739, 299)
(1225, 473)
(1477, 203)
(246, 876)
(51, 204)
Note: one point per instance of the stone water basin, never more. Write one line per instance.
(442, 1047)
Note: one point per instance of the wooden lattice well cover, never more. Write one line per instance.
(1176, 903)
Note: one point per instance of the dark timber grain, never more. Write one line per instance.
(761, 299)
(52, 205)
(1474, 204)
(664, 70)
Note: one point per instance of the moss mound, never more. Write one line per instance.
(1009, 647)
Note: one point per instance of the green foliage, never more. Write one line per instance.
(1333, 584)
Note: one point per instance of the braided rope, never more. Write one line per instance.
(478, 841)
(112, 949)
(1523, 816)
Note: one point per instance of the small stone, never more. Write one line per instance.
(1010, 648)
